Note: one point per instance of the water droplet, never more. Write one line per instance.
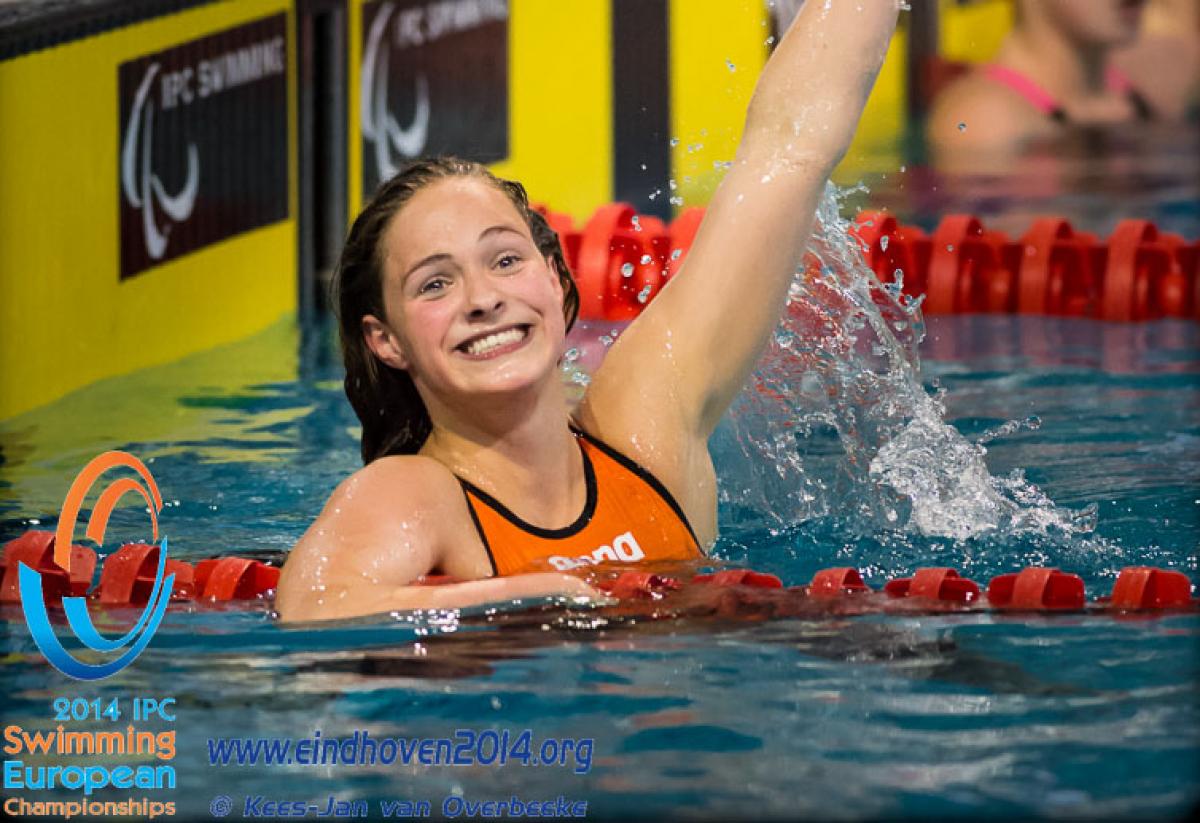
(950, 247)
(637, 223)
(571, 355)
(676, 254)
(883, 243)
(627, 270)
(771, 40)
(496, 704)
(644, 294)
(962, 126)
(674, 141)
(729, 63)
(646, 259)
(678, 201)
(671, 184)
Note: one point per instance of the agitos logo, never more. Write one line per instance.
(121, 651)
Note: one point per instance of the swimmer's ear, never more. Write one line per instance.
(383, 342)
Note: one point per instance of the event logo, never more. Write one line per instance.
(143, 188)
(78, 619)
(379, 127)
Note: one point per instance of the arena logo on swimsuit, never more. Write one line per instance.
(624, 549)
(33, 600)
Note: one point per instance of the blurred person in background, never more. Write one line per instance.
(1164, 62)
(1059, 69)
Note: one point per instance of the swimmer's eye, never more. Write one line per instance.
(433, 285)
(508, 261)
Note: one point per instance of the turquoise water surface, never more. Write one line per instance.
(1084, 716)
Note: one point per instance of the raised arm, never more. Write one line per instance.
(385, 527)
(688, 354)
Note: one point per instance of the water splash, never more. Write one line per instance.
(836, 422)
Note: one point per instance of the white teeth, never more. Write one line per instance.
(494, 341)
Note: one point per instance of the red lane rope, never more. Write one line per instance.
(128, 575)
(621, 260)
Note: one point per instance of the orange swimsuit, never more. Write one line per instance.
(629, 517)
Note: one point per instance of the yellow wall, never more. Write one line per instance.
(66, 318)
(560, 103)
(972, 33)
(717, 49)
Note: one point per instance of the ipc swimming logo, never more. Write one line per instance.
(33, 602)
(135, 167)
(379, 127)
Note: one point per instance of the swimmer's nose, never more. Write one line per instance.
(483, 298)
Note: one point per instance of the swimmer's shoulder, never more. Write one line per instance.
(409, 494)
(975, 112)
(390, 522)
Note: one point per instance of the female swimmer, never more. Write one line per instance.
(454, 303)
(1054, 69)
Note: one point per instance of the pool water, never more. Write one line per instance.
(823, 715)
(874, 716)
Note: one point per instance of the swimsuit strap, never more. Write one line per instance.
(1118, 81)
(628, 516)
(1025, 86)
(1042, 100)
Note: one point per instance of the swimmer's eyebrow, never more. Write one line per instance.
(440, 256)
(497, 229)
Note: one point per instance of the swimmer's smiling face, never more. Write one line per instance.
(472, 307)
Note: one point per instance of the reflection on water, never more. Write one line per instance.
(1145, 171)
(718, 704)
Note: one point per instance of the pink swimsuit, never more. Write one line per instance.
(1045, 102)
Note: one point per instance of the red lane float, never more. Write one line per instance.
(127, 578)
(129, 573)
(740, 577)
(836, 582)
(1036, 588)
(36, 550)
(936, 584)
(1144, 587)
(234, 578)
(621, 260)
(1057, 270)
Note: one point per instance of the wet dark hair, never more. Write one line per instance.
(394, 418)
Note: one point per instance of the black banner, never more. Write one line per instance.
(203, 142)
(434, 81)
